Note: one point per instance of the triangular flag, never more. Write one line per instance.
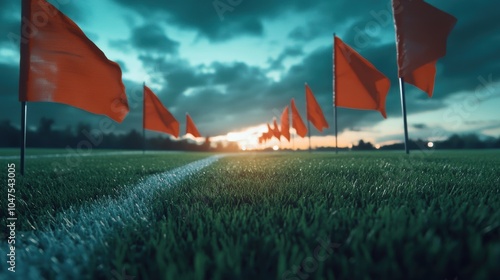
(358, 84)
(314, 113)
(270, 132)
(156, 116)
(421, 34)
(297, 122)
(191, 128)
(285, 124)
(60, 64)
(276, 130)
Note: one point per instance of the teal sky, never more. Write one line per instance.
(239, 69)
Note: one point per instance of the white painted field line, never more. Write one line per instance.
(65, 250)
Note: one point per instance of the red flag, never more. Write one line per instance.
(421, 34)
(276, 130)
(270, 132)
(191, 128)
(285, 124)
(156, 116)
(314, 113)
(297, 122)
(358, 84)
(60, 64)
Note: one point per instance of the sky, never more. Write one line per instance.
(233, 65)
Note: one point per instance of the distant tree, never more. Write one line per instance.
(132, 140)
(363, 146)
(206, 144)
(10, 134)
(44, 135)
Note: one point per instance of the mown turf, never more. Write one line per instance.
(54, 184)
(321, 216)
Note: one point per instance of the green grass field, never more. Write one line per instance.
(292, 215)
(54, 184)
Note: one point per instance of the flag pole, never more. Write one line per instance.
(143, 118)
(23, 133)
(403, 109)
(335, 97)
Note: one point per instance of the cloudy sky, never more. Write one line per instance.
(235, 64)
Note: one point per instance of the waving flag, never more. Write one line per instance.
(156, 116)
(421, 34)
(276, 130)
(314, 113)
(60, 64)
(285, 124)
(297, 122)
(191, 128)
(358, 84)
(270, 132)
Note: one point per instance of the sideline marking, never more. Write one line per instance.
(65, 251)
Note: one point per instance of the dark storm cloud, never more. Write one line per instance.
(215, 20)
(228, 97)
(176, 75)
(277, 64)
(419, 125)
(10, 16)
(305, 33)
(151, 37)
(9, 108)
(222, 19)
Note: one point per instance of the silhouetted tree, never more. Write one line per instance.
(10, 135)
(362, 146)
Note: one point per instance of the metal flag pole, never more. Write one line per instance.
(334, 96)
(23, 78)
(403, 108)
(144, 118)
(23, 133)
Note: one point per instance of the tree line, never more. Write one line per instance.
(82, 136)
(45, 136)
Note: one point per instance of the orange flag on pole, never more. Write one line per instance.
(421, 34)
(358, 84)
(285, 124)
(156, 116)
(276, 130)
(297, 121)
(191, 127)
(60, 64)
(314, 113)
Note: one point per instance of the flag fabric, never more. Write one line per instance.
(297, 122)
(276, 130)
(421, 34)
(156, 116)
(285, 124)
(358, 84)
(270, 132)
(60, 64)
(314, 113)
(191, 127)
